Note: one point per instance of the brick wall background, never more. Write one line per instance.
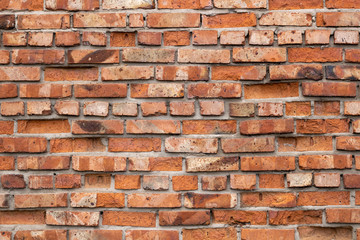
(179, 119)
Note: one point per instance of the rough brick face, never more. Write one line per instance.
(179, 119)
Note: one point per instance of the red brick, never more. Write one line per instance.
(325, 232)
(176, 38)
(67, 39)
(23, 5)
(299, 71)
(322, 126)
(271, 181)
(323, 198)
(72, 218)
(295, 217)
(184, 183)
(43, 126)
(19, 73)
(315, 54)
(59, 145)
(100, 90)
(14, 39)
(122, 39)
(97, 180)
(328, 108)
(134, 144)
(148, 55)
(96, 108)
(7, 21)
(68, 107)
(8, 90)
(212, 108)
(185, 4)
(127, 182)
(214, 90)
(232, 38)
(205, 37)
(6, 127)
(327, 180)
(109, 4)
(270, 109)
(155, 182)
(31, 56)
(264, 234)
(152, 234)
(41, 234)
(39, 108)
(155, 163)
(7, 163)
(94, 39)
(228, 233)
(68, 181)
(154, 200)
(208, 126)
(23, 144)
(298, 108)
(261, 37)
(330, 89)
(41, 39)
(43, 21)
(95, 234)
(342, 215)
(71, 74)
(337, 19)
(238, 72)
(213, 183)
(268, 199)
(252, 127)
(135, 219)
(72, 6)
(22, 217)
(98, 20)
(182, 108)
(12, 108)
(236, 145)
(40, 200)
(45, 90)
(325, 161)
(149, 38)
(136, 20)
(352, 55)
(285, 19)
(199, 200)
(239, 217)
(11, 181)
(127, 73)
(293, 4)
(342, 72)
(211, 164)
(153, 108)
(97, 127)
(317, 37)
(259, 54)
(191, 145)
(43, 163)
(273, 90)
(90, 56)
(342, 4)
(203, 56)
(173, 20)
(153, 127)
(98, 163)
(234, 4)
(243, 182)
(279, 163)
(289, 37)
(302, 144)
(229, 20)
(180, 218)
(41, 182)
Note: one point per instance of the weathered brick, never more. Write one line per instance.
(31, 5)
(325, 161)
(259, 54)
(39, 108)
(127, 182)
(122, 39)
(109, 4)
(242, 109)
(43, 163)
(309, 232)
(23, 144)
(100, 90)
(346, 37)
(330, 89)
(191, 145)
(214, 90)
(19, 74)
(155, 163)
(72, 218)
(342, 215)
(58, 145)
(253, 127)
(40, 200)
(149, 38)
(153, 127)
(124, 109)
(71, 74)
(322, 126)
(337, 19)
(155, 182)
(97, 127)
(148, 55)
(43, 21)
(235, 145)
(285, 19)
(289, 37)
(243, 182)
(176, 38)
(72, 6)
(185, 4)
(261, 37)
(213, 183)
(228, 233)
(68, 181)
(232, 38)
(299, 179)
(7, 163)
(327, 179)
(203, 56)
(96, 108)
(328, 54)
(180, 218)
(40, 39)
(153, 108)
(238, 72)
(152, 234)
(173, 20)
(293, 4)
(317, 37)
(136, 20)
(270, 109)
(45, 90)
(304, 71)
(184, 183)
(352, 55)
(41, 182)
(99, 20)
(302, 144)
(212, 108)
(68, 107)
(182, 108)
(279, 163)
(12, 181)
(93, 56)
(13, 39)
(205, 37)
(295, 217)
(43, 126)
(31, 56)
(154, 200)
(328, 108)
(94, 38)
(95, 234)
(41, 234)
(271, 181)
(211, 164)
(12, 108)
(134, 144)
(135, 219)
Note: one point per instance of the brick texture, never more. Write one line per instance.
(179, 119)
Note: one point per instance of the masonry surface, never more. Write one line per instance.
(179, 119)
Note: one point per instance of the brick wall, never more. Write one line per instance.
(179, 119)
